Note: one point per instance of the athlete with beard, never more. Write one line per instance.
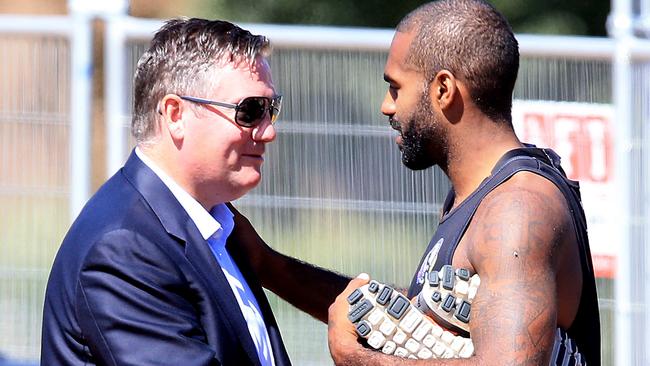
(511, 216)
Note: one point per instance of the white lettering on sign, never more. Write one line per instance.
(579, 133)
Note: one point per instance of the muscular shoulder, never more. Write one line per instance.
(526, 197)
(525, 218)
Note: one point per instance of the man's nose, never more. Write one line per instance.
(388, 105)
(265, 132)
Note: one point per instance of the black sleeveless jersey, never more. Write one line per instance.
(585, 329)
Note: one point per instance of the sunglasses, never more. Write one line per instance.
(250, 111)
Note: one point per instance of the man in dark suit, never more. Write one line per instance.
(144, 276)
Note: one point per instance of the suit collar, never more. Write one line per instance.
(203, 219)
(177, 223)
(161, 200)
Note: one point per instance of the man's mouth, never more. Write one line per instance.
(254, 156)
(394, 124)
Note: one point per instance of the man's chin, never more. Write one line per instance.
(416, 164)
(253, 182)
(242, 185)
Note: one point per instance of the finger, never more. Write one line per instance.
(360, 280)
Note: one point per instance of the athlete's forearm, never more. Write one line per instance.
(309, 288)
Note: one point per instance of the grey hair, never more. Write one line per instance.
(472, 40)
(178, 60)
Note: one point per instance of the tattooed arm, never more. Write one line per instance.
(512, 243)
(308, 287)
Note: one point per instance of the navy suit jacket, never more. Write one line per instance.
(135, 283)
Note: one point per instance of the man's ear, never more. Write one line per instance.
(172, 109)
(443, 89)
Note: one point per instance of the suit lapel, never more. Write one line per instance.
(178, 224)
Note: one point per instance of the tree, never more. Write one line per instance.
(576, 17)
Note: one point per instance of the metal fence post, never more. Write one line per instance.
(620, 28)
(114, 102)
(80, 110)
(83, 11)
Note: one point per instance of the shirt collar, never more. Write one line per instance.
(208, 223)
(222, 214)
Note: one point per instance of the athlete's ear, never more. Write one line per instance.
(448, 95)
(443, 89)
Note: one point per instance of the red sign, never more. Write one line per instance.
(584, 141)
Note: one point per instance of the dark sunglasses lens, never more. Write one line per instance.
(251, 111)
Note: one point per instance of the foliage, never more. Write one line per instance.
(577, 17)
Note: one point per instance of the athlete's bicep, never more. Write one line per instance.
(511, 245)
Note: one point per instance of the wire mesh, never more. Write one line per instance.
(34, 180)
(334, 191)
(640, 222)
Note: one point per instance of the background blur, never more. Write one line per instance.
(334, 191)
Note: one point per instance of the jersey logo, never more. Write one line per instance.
(429, 261)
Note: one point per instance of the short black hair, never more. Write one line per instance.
(472, 40)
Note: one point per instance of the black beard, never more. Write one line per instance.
(415, 141)
(420, 137)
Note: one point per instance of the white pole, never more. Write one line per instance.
(114, 93)
(620, 28)
(80, 104)
(643, 22)
(52, 25)
(83, 11)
